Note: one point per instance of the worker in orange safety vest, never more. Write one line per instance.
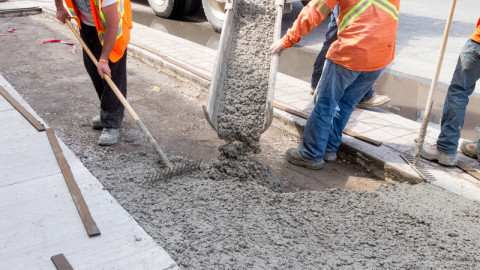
(105, 28)
(365, 46)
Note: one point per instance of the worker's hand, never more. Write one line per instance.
(103, 69)
(62, 14)
(276, 48)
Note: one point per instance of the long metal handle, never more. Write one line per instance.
(123, 100)
(428, 106)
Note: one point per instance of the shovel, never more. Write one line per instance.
(171, 169)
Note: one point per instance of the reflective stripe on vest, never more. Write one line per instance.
(322, 7)
(103, 21)
(359, 8)
(72, 11)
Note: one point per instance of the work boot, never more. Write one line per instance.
(96, 122)
(470, 149)
(312, 91)
(376, 100)
(294, 157)
(431, 152)
(330, 157)
(109, 136)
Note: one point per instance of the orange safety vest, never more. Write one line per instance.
(124, 26)
(366, 31)
(476, 35)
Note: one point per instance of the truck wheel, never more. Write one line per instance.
(191, 6)
(215, 13)
(167, 8)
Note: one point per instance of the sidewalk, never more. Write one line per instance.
(395, 133)
(39, 217)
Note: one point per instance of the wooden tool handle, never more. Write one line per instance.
(124, 101)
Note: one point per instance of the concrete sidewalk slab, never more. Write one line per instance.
(39, 217)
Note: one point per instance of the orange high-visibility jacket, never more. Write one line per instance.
(366, 31)
(123, 32)
(476, 35)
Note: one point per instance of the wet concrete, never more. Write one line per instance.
(408, 94)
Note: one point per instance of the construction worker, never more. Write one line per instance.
(465, 76)
(105, 28)
(365, 46)
(371, 98)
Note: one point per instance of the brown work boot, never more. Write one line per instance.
(470, 149)
(296, 158)
(375, 101)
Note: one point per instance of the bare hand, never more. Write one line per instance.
(62, 14)
(276, 48)
(102, 69)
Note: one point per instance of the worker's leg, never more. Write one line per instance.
(329, 92)
(90, 37)
(352, 95)
(330, 37)
(467, 72)
(111, 109)
(112, 112)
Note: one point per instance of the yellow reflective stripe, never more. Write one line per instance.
(361, 6)
(387, 7)
(120, 8)
(72, 11)
(322, 7)
(353, 13)
(119, 30)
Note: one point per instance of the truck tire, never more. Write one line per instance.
(215, 13)
(191, 6)
(167, 8)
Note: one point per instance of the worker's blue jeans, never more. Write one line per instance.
(342, 87)
(466, 74)
(330, 37)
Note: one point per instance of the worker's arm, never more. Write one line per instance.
(111, 27)
(62, 12)
(310, 16)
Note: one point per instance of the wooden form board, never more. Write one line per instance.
(471, 171)
(39, 126)
(345, 131)
(88, 222)
(60, 262)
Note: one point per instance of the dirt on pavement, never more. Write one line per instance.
(339, 217)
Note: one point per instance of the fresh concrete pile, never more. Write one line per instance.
(229, 224)
(248, 67)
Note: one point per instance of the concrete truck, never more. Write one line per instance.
(214, 9)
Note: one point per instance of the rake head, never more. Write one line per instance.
(420, 169)
(178, 169)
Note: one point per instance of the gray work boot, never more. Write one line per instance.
(470, 149)
(330, 157)
(431, 152)
(376, 100)
(294, 157)
(109, 136)
(96, 122)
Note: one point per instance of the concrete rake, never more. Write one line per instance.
(172, 169)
